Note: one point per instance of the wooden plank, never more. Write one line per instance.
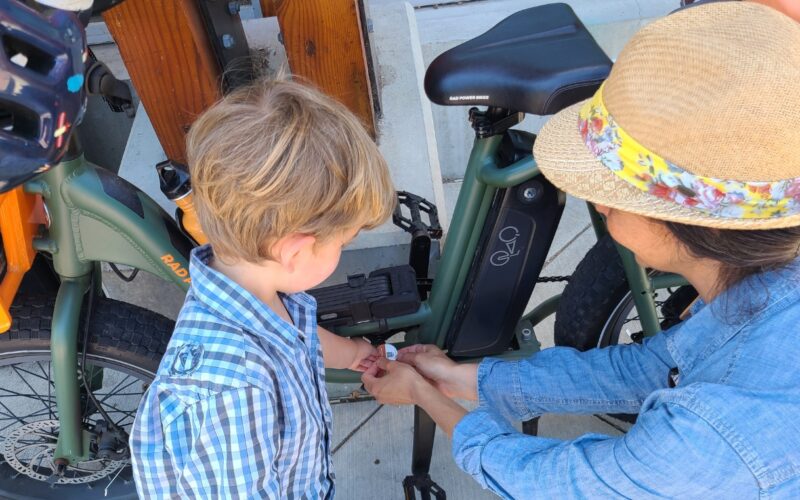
(268, 8)
(324, 44)
(169, 59)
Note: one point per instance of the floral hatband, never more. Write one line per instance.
(636, 165)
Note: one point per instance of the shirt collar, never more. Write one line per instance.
(712, 325)
(231, 302)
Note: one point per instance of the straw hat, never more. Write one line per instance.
(698, 123)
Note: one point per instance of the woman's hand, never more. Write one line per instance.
(400, 384)
(452, 379)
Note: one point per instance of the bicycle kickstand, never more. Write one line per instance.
(420, 479)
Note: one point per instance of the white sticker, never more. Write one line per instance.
(388, 351)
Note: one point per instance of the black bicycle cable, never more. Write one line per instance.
(84, 348)
(121, 276)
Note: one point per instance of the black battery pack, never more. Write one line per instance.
(386, 293)
(512, 248)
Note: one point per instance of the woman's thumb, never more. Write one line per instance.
(384, 364)
(407, 357)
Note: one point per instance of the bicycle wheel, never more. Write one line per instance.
(126, 341)
(597, 308)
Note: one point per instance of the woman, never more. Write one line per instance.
(690, 151)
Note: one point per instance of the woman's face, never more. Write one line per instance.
(789, 7)
(650, 240)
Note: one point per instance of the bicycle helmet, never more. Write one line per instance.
(42, 96)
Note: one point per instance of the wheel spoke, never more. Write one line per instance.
(34, 445)
(111, 392)
(28, 441)
(50, 386)
(121, 424)
(75, 468)
(11, 414)
(25, 417)
(46, 436)
(46, 375)
(114, 409)
(16, 368)
(122, 394)
(36, 375)
(19, 394)
(39, 465)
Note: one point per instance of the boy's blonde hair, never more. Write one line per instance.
(279, 157)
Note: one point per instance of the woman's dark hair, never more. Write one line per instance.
(741, 253)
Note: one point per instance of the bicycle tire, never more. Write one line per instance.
(122, 337)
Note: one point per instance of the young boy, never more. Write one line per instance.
(283, 177)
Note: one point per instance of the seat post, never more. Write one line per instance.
(493, 121)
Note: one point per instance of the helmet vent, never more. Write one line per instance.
(27, 56)
(18, 121)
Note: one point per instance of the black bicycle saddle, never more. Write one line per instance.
(539, 61)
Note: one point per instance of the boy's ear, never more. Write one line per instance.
(290, 246)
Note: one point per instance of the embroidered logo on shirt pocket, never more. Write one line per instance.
(187, 359)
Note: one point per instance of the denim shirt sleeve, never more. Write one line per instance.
(668, 442)
(616, 379)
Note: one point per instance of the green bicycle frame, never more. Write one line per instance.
(98, 217)
(482, 178)
(95, 216)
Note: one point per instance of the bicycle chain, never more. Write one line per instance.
(552, 279)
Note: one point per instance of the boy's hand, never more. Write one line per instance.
(344, 353)
(365, 355)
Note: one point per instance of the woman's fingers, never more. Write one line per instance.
(420, 348)
(408, 357)
(413, 348)
(412, 353)
(395, 385)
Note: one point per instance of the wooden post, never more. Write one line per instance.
(268, 8)
(170, 61)
(324, 44)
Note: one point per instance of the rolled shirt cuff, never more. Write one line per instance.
(500, 388)
(471, 435)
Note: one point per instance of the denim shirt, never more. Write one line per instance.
(729, 429)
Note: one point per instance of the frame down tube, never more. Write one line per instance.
(469, 215)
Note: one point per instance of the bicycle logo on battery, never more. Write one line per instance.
(508, 236)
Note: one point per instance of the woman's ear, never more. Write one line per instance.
(291, 247)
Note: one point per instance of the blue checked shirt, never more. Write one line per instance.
(238, 408)
(729, 429)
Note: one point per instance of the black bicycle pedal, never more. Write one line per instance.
(417, 205)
